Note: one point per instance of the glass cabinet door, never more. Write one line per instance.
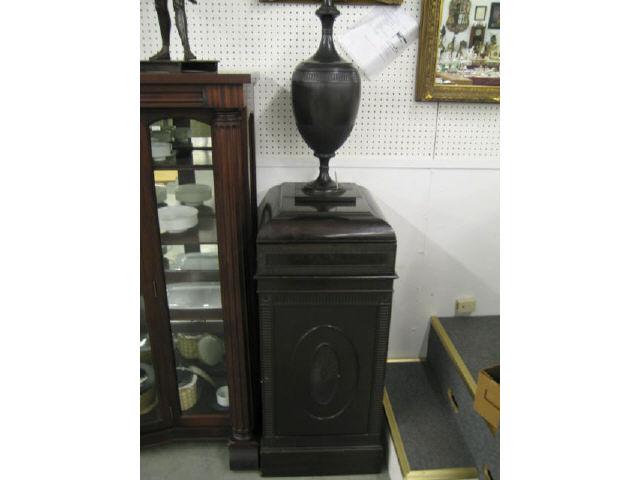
(182, 159)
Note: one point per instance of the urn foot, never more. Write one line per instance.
(324, 184)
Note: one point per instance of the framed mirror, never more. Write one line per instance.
(459, 51)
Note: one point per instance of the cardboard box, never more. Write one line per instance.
(487, 401)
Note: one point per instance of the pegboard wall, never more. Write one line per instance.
(432, 167)
(392, 129)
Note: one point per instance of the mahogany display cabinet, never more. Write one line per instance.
(325, 282)
(199, 367)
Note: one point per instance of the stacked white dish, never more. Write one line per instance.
(193, 194)
(177, 218)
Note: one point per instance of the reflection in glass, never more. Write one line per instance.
(187, 210)
(186, 213)
(149, 412)
(176, 142)
(468, 52)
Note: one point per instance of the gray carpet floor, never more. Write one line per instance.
(206, 461)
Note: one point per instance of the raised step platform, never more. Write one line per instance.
(458, 348)
(424, 433)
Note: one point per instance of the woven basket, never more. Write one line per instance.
(188, 393)
(188, 345)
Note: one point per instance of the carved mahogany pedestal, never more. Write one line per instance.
(325, 283)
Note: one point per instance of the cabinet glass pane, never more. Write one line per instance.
(181, 143)
(149, 411)
(187, 222)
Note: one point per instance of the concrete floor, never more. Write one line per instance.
(206, 461)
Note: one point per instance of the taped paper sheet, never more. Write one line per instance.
(379, 38)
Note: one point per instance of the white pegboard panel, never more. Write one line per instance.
(392, 129)
(468, 134)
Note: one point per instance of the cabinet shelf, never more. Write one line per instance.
(185, 148)
(192, 159)
(195, 326)
(196, 143)
(182, 276)
(196, 314)
(205, 233)
(173, 166)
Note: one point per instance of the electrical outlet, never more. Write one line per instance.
(465, 305)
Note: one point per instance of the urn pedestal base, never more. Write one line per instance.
(325, 284)
(322, 460)
(344, 195)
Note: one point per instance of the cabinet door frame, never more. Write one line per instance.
(153, 314)
(233, 218)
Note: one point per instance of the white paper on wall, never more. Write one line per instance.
(378, 38)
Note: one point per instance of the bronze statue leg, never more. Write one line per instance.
(181, 23)
(164, 20)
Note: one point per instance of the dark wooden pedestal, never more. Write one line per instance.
(325, 283)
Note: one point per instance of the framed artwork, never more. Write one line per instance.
(457, 61)
(387, 2)
(494, 17)
(480, 14)
(476, 37)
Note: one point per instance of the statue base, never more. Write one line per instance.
(177, 66)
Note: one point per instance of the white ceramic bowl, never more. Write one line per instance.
(160, 150)
(210, 349)
(196, 261)
(161, 193)
(193, 193)
(194, 295)
(177, 218)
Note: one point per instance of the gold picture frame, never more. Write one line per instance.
(369, 2)
(427, 90)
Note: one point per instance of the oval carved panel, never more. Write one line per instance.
(324, 368)
(324, 374)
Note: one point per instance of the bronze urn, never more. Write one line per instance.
(325, 91)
